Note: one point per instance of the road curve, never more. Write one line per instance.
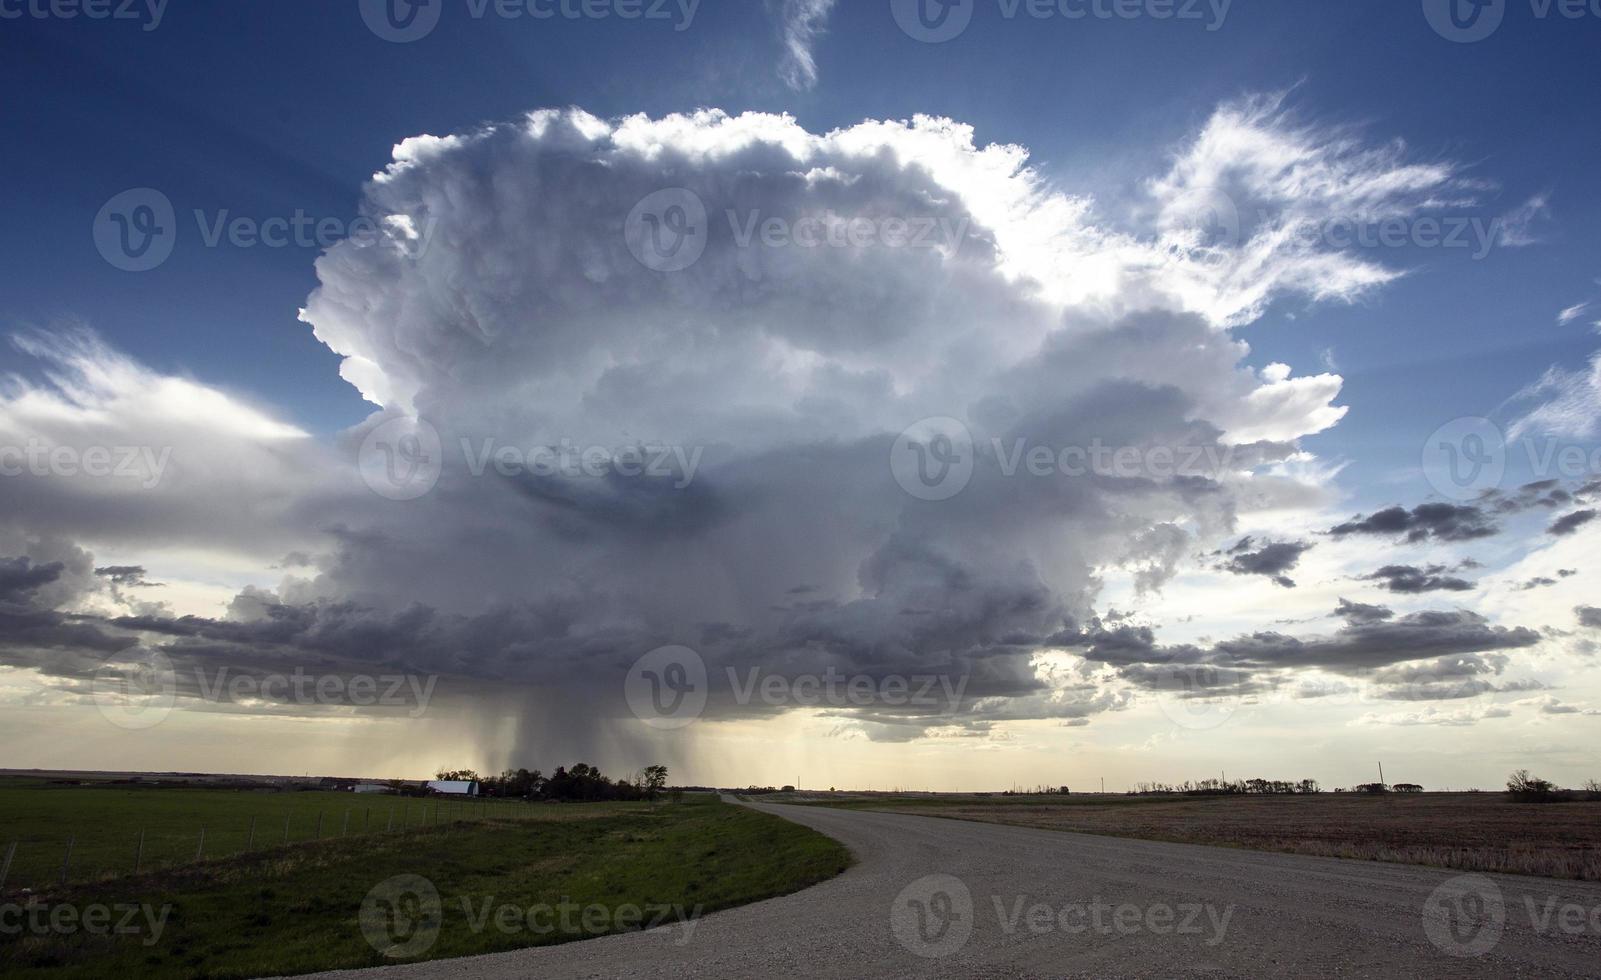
(945, 898)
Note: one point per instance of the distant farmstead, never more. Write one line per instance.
(453, 787)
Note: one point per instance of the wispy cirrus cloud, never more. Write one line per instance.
(1572, 313)
(1253, 158)
(1518, 225)
(801, 24)
(1565, 403)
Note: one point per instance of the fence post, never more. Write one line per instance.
(5, 866)
(391, 819)
(319, 825)
(139, 851)
(250, 839)
(344, 831)
(201, 848)
(286, 828)
(66, 862)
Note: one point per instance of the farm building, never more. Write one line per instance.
(453, 787)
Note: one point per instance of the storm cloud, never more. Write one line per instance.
(519, 306)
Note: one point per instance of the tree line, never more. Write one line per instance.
(580, 783)
(1524, 787)
(1230, 787)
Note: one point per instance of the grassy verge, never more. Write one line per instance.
(1462, 831)
(110, 829)
(585, 871)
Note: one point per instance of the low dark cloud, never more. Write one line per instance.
(19, 577)
(1447, 679)
(1437, 521)
(1414, 580)
(1570, 523)
(1589, 617)
(1273, 559)
(1443, 651)
(1360, 647)
(1545, 581)
(1361, 612)
(124, 574)
(956, 653)
(1546, 494)
(1551, 706)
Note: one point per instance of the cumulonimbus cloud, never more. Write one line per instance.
(507, 305)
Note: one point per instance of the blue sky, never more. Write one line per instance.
(264, 109)
(268, 111)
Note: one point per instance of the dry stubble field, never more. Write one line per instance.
(1468, 831)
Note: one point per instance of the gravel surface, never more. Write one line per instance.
(945, 898)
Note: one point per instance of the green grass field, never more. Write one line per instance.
(105, 824)
(300, 908)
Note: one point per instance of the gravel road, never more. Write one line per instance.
(946, 898)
